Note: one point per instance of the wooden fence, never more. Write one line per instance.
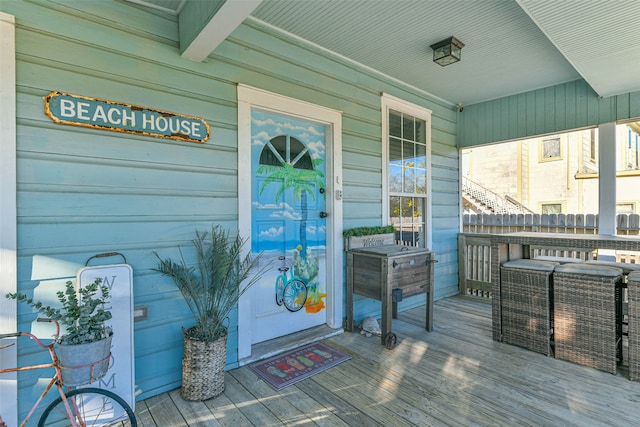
(627, 224)
(474, 243)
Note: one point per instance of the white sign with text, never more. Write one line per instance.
(119, 278)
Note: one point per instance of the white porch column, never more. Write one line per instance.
(8, 227)
(607, 181)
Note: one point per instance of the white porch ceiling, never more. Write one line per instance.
(511, 46)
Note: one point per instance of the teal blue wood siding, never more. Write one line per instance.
(82, 191)
(558, 108)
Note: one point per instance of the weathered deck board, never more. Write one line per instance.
(455, 375)
(226, 412)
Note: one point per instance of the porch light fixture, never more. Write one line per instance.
(447, 51)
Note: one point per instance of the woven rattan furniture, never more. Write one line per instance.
(587, 306)
(634, 325)
(512, 246)
(558, 259)
(626, 267)
(526, 304)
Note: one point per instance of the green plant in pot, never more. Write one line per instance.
(368, 231)
(368, 236)
(211, 288)
(86, 339)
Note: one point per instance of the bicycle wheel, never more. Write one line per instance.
(90, 407)
(279, 289)
(295, 295)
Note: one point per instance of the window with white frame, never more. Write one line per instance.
(407, 156)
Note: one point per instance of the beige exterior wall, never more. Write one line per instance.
(567, 179)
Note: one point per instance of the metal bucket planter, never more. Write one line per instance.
(84, 363)
(203, 368)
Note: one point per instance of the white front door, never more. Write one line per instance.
(291, 209)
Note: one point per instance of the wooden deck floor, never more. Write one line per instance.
(453, 376)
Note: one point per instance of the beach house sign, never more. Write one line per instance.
(77, 110)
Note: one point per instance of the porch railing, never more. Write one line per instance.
(474, 243)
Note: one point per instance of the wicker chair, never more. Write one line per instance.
(587, 309)
(525, 289)
(634, 325)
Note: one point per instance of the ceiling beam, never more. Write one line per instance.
(216, 28)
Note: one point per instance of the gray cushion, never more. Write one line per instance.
(589, 270)
(626, 267)
(560, 259)
(531, 264)
(634, 276)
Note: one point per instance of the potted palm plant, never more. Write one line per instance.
(211, 287)
(85, 343)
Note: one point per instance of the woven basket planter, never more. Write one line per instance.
(203, 366)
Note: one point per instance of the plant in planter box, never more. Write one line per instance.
(211, 288)
(369, 236)
(86, 339)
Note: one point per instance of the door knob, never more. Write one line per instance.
(323, 214)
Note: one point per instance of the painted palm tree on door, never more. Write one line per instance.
(288, 159)
(303, 179)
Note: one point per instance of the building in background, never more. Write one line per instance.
(551, 174)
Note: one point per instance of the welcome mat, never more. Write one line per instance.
(289, 368)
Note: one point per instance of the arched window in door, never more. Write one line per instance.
(286, 149)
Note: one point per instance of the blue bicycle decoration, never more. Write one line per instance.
(290, 291)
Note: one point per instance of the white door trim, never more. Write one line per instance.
(8, 226)
(249, 97)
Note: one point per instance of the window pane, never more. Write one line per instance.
(551, 148)
(421, 134)
(421, 155)
(552, 208)
(395, 124)
(408, 131)
(395, 179)
(407, 154)
(394, 209)
(409, 180)
(421, 183)
(395, 151)
(418, 209)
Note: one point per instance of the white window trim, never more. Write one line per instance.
(8, 226)
(389, 102)
(249, 97)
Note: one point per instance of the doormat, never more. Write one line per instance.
(291, 367)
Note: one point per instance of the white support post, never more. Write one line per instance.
(607, 181)
(607, 184)
(8, 234)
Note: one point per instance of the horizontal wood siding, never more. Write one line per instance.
(558, 108)
(83, 191)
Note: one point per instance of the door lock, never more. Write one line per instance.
(323, 214)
